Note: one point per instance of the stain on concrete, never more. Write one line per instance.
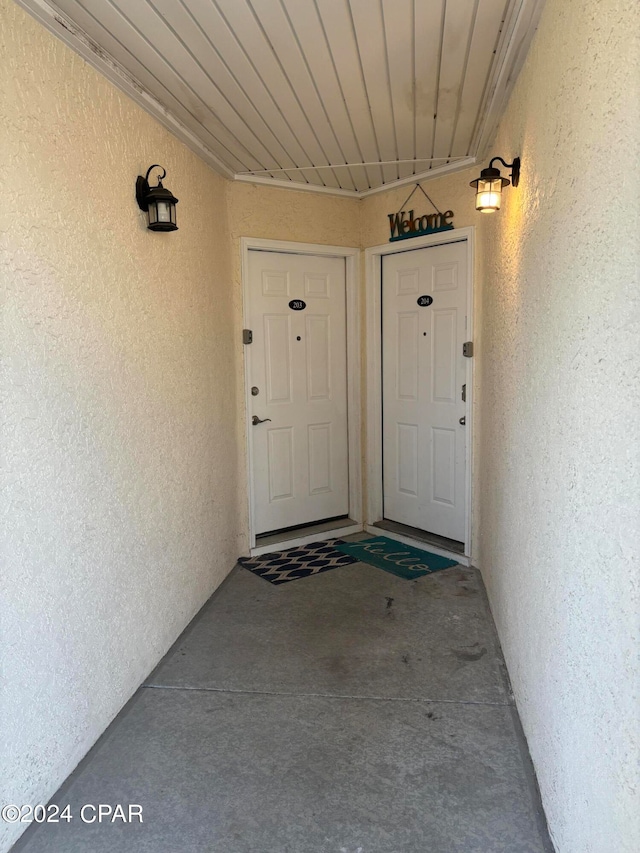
(434, 590)
(337, 665)
(469, 655)
(465, 589)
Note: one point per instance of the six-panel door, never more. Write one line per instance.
(424, 303)
(297, 313)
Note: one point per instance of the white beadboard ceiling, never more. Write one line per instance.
(341, 96)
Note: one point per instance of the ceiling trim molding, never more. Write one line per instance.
(510, 56)
(79, 41)
(429, 174)
(295, 185)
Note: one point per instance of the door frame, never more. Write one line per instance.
(352, 280)
(373, 289)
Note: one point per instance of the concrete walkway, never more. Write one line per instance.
(352, 712)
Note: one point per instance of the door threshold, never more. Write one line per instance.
(424, 536)
(408, 537)
(316, 532)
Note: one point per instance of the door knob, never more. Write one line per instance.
(462, 421)
(255, 420)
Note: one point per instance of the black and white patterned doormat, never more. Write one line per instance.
(283, 566)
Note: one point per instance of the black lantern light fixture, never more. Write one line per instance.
(160, 204)
(490, 184)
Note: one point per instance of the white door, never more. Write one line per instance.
(424, 305)
(298, 379)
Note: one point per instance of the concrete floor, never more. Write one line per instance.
(352, 712)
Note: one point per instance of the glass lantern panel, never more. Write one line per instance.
(153, 213)
(488, 196)
(164, 213)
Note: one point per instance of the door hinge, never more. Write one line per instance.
(247, 336)
(467, 349)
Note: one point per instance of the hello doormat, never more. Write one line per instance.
(295, 563)
(401, 560)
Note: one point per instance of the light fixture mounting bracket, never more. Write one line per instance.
(515, 168)
(142, 186)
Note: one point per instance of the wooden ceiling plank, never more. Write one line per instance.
(400, 50)
(369, 29)
(313, 41)
(101, 34)
(282, 38)
(176, 15)
(292, 90)
(198, 87)
(458, 23)
(248, 32)
(481, 54)
(337, 23)
(429, 19)
(137, 45)
(231, 53)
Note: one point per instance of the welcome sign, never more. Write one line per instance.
(403, 227)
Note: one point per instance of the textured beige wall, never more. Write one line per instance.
(119, 403)
(558, 390)
(256, 210)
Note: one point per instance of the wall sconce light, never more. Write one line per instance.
(160, 204)
(490, 184)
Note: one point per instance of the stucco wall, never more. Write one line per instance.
(119, 403)
(559, 394)
(256, 210)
